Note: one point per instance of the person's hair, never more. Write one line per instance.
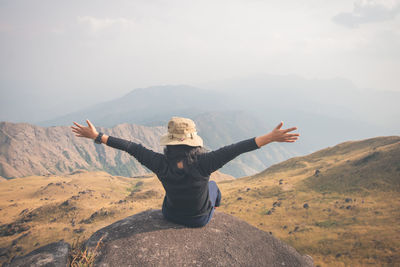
(179, 152)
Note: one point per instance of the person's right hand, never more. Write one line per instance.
(283, 135)
(82, 131)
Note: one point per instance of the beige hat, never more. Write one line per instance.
(181, 131)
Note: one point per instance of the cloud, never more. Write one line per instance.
(98, 24)
(368, 11)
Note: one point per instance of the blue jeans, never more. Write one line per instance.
(215, 198)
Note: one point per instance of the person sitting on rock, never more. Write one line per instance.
(185, 167)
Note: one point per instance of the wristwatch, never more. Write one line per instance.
(98, 138)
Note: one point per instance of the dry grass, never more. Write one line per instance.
(352, 222)
(334, 234)
(67, 207)
(81, 256)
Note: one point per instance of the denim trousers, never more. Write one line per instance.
(215, 198)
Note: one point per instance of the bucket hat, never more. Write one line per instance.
(181, 131)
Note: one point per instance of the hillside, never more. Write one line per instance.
(340, 204)
(367, 165)
(345, 214)
(27, 149)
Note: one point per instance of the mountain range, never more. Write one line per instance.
(326, 112)
(34, 150)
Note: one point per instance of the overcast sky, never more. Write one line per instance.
(80, 52)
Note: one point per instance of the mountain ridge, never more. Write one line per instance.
(320, 109)
(341, 148)
(27, 149)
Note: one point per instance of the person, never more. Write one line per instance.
(185, 167)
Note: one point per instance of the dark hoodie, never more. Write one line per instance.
(186, 190)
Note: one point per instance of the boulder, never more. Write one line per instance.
(51, 255)
(147, 239)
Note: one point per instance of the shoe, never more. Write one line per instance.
(218, 200)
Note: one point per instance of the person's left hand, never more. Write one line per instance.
(82, 131)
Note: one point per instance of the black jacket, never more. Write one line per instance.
(186, 190)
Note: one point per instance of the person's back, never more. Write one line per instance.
(186, 189)
(185, 167)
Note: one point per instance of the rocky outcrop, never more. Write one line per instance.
(52, 255)
(33, 150)
(147, 239)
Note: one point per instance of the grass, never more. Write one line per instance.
(87, 193)
(80, 256)
(336, 223)
(370, 170)
(365, 234)
(135, 188)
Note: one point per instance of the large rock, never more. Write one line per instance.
(147, 239)
(51, 255)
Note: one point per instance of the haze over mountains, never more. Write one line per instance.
(326, 111)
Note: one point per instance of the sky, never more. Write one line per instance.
(60, 56)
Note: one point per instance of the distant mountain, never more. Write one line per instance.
(223, 128)
(334, 98)
(33, 150)
(217, 122)
(147, 106)
(326, 112)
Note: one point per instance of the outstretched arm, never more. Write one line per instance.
(214, 160)
(154, 161)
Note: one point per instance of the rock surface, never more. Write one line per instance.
(147, 239)
(51, 255)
